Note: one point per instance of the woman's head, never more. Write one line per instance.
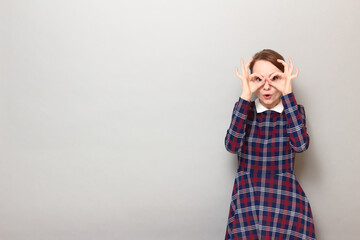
(265, 63)
(267, 55)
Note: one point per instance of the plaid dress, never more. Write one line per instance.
(267, 200)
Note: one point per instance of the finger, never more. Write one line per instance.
(237, 72)
(256, 75)
(242, 67)
(254, 85)
(278, 74)
(291, 69)
(257, 79)
(282, 61)
(259, 85)
(248, 64)
(275, 84)
(286, 67)
(296, 73)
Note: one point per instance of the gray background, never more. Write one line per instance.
(114, 113)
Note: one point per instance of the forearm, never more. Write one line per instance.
(296, 121)
(235, 133)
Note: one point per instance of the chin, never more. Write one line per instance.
(269, 103)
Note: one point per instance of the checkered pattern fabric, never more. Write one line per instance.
(267, 200)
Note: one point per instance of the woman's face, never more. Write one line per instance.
(268, 95)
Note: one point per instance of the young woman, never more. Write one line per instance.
(267, 200)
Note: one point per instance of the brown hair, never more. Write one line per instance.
(267, 55)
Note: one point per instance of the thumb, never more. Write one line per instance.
(257, 85)
(275, 84)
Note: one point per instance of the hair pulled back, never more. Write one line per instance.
(267, 55)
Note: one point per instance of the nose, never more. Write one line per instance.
(266, 85)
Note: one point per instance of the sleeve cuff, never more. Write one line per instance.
(243, 101)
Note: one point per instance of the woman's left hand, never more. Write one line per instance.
(282, 80)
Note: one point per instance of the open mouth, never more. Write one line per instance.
(267, 96)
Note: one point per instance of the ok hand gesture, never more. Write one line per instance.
(250, 83)
(282, 80)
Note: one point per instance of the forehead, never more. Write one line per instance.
(264, 68)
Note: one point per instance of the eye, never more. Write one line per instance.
(275, 78)
(258, 79)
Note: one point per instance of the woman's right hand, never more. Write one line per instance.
(250, 83)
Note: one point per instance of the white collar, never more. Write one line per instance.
(261, 108)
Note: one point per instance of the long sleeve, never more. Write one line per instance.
(296, 121)
(235, 133)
